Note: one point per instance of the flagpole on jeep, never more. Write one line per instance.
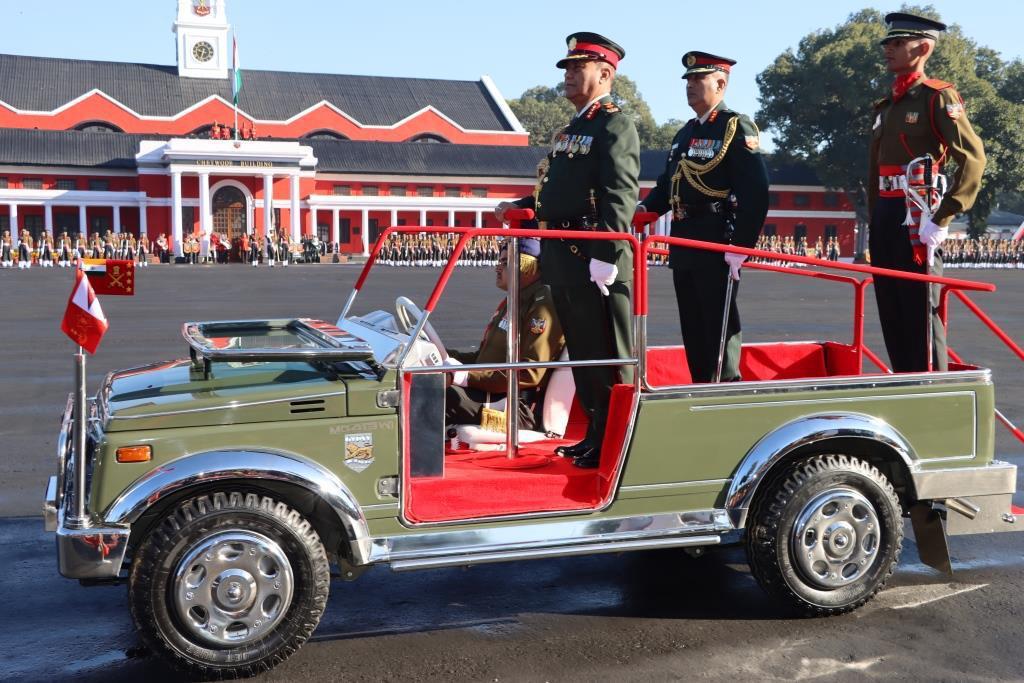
(79, 520)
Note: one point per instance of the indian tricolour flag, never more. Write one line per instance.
(236, 81)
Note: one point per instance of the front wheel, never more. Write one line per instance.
(229, 585)
(825, 534)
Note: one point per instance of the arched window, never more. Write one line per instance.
(426, 137)
(324, 134)
(98, 127)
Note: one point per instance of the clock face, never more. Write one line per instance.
(202, 51)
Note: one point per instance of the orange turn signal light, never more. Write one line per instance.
(134, 453)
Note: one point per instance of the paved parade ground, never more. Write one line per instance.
(648, 615)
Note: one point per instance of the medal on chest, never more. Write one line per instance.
(703, 148)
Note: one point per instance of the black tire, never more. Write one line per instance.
(801, 496)
(154, 587)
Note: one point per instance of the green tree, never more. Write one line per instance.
(817, 103)
(544, 111)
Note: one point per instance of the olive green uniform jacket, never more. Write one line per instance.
(591, 172)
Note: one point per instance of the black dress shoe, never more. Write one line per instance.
(588, 460)
(574, 450)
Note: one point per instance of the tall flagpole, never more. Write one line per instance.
(235, 85)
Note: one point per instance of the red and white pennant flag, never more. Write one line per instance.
(83, 319)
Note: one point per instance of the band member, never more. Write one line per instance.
(25, 250)
(921, 123)
(254, 251)
(589, 181)
(6, 250)
(716, 184)
(161, 249)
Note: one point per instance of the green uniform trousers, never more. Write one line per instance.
(596, 327)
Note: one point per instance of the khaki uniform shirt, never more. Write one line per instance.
(540, 340)
(927, 120)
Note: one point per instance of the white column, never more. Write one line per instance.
(295, 207)
(364, 232)
(423, 217)
(336, 226)
(394, 217)
(176, 229)
(117, 219)
(479, 219)
(15, 232)
(83, 224)
(312, 222)
(205, 215)
(268, 204)
(451, 217)
(143, 224)
(48, 218)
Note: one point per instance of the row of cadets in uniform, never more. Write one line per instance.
(66, 251)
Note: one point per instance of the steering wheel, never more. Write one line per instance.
(408, 315)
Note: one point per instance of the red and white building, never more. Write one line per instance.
(91, 145)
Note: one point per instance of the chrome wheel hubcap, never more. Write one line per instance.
(232, 588)
(836, 538)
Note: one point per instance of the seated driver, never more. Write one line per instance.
(540, 340)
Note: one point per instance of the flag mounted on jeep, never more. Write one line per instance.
(83, 319)
(110, 276)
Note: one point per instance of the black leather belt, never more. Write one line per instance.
(567, 224)
(707, 209)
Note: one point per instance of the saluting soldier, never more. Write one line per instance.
(540, 340)
(921, 116)
(589, 182)
(716, 185)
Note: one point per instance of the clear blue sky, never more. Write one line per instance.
(515, 43)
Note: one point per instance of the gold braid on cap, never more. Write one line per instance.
(694, 172)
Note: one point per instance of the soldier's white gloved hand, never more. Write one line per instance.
(602, 274)
(735, 261)
(460, 378)
(932, 236)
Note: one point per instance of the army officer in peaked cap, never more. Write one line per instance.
(716, 185)
(588, 181)
(921, 116)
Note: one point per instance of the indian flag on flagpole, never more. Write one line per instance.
(236, 79)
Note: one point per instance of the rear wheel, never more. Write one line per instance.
(825, 534)
(229, 585)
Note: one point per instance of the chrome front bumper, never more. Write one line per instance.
(84, 550)
(90, 552)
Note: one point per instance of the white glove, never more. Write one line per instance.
(602, 274)
(460, 378)
(932, 236)
(734, 261)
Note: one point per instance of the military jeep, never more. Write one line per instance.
(226, 487)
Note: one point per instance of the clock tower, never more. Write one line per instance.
(201, 31)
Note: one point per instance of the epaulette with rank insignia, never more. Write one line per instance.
(880, 103)
(611, 107)
(936, 84)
